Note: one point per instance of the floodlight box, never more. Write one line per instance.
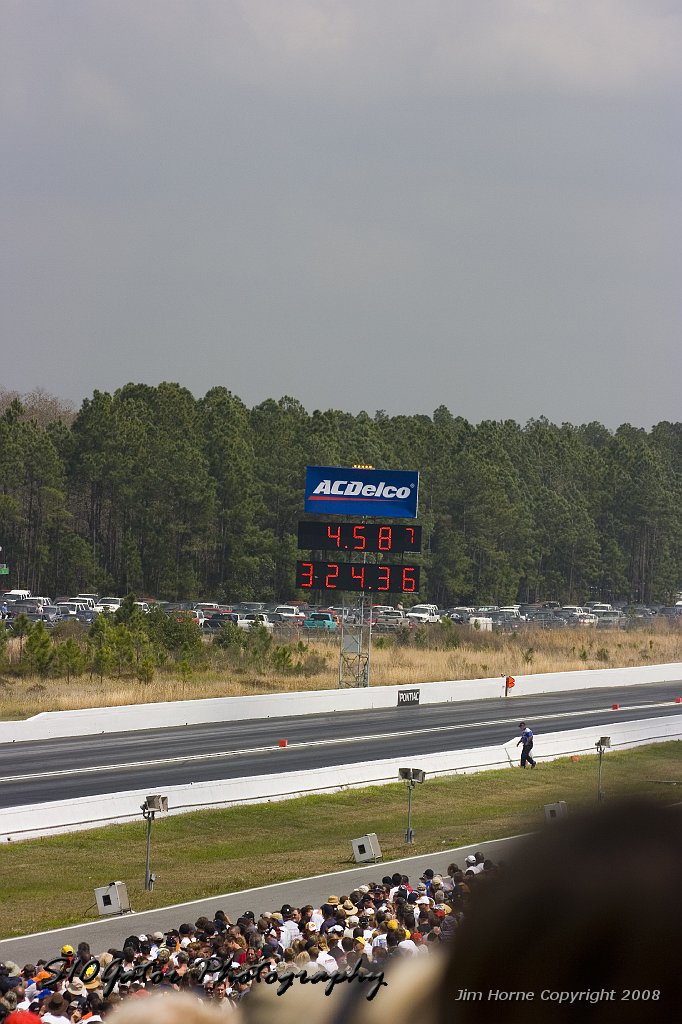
(157, 803)
(555, 811)
(112, 899)
(366, 849)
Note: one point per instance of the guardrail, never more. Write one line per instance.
(136, 717)
(37, 820)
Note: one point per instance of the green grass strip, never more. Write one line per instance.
(48, 883)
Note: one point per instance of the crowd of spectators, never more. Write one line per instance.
(583, 922)
(219, 961)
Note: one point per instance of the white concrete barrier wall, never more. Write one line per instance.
(35, 820)
(135, 717)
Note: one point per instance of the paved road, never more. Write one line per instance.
(73, 767)
(112, 932)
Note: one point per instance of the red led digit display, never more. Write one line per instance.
(409, 584)
(357, 576)
(385, 538)
(399, 539)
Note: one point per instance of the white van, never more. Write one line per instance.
(16, 595)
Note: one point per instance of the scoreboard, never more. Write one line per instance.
(403, 579)
(372, 537)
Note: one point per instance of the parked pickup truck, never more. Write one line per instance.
(423, 613)
(390, 620)
(322, 622)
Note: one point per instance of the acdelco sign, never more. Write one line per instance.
(364, 492)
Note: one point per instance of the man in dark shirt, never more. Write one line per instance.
(526, 743)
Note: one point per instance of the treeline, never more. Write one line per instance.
(154, 491)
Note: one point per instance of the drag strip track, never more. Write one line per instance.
(66, 768)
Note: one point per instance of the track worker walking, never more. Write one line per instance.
(527, 747)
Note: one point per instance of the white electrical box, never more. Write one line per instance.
(555, 811)
(112, 899)
(366, 849)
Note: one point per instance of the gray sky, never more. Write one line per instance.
(366, 204)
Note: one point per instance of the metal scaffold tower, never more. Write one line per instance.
(356, 648)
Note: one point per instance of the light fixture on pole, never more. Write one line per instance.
(411, 776)
(602, 743)
(149, 808)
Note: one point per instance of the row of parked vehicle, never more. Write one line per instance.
(552, 615)
(82, 608)
(211, 616)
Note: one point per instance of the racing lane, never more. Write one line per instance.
(64, 768)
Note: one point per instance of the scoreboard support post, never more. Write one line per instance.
(355, 653)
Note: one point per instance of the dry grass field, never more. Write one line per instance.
(436, 654)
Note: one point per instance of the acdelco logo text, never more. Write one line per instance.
(356, 488)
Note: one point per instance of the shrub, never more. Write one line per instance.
(231, 637)
(403, 635)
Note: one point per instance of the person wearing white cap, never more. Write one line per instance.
(472, 866)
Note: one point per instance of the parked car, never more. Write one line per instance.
(47, 616)
(181, 614)
(546, 619)
(88, 616)
(321, 622)
(252, 619)
(11, 596)
(177, 606)
(610, 620)
(504, 622)
(213, 623)
(461, 613)
(37, 602)
(109, 604)
(70, 609)
(289, 612)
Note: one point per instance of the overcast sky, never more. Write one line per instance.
(365, 204)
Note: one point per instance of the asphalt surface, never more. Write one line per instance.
(59, 769)
(112, 932)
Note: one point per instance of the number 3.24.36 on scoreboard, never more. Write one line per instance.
(402, 579)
